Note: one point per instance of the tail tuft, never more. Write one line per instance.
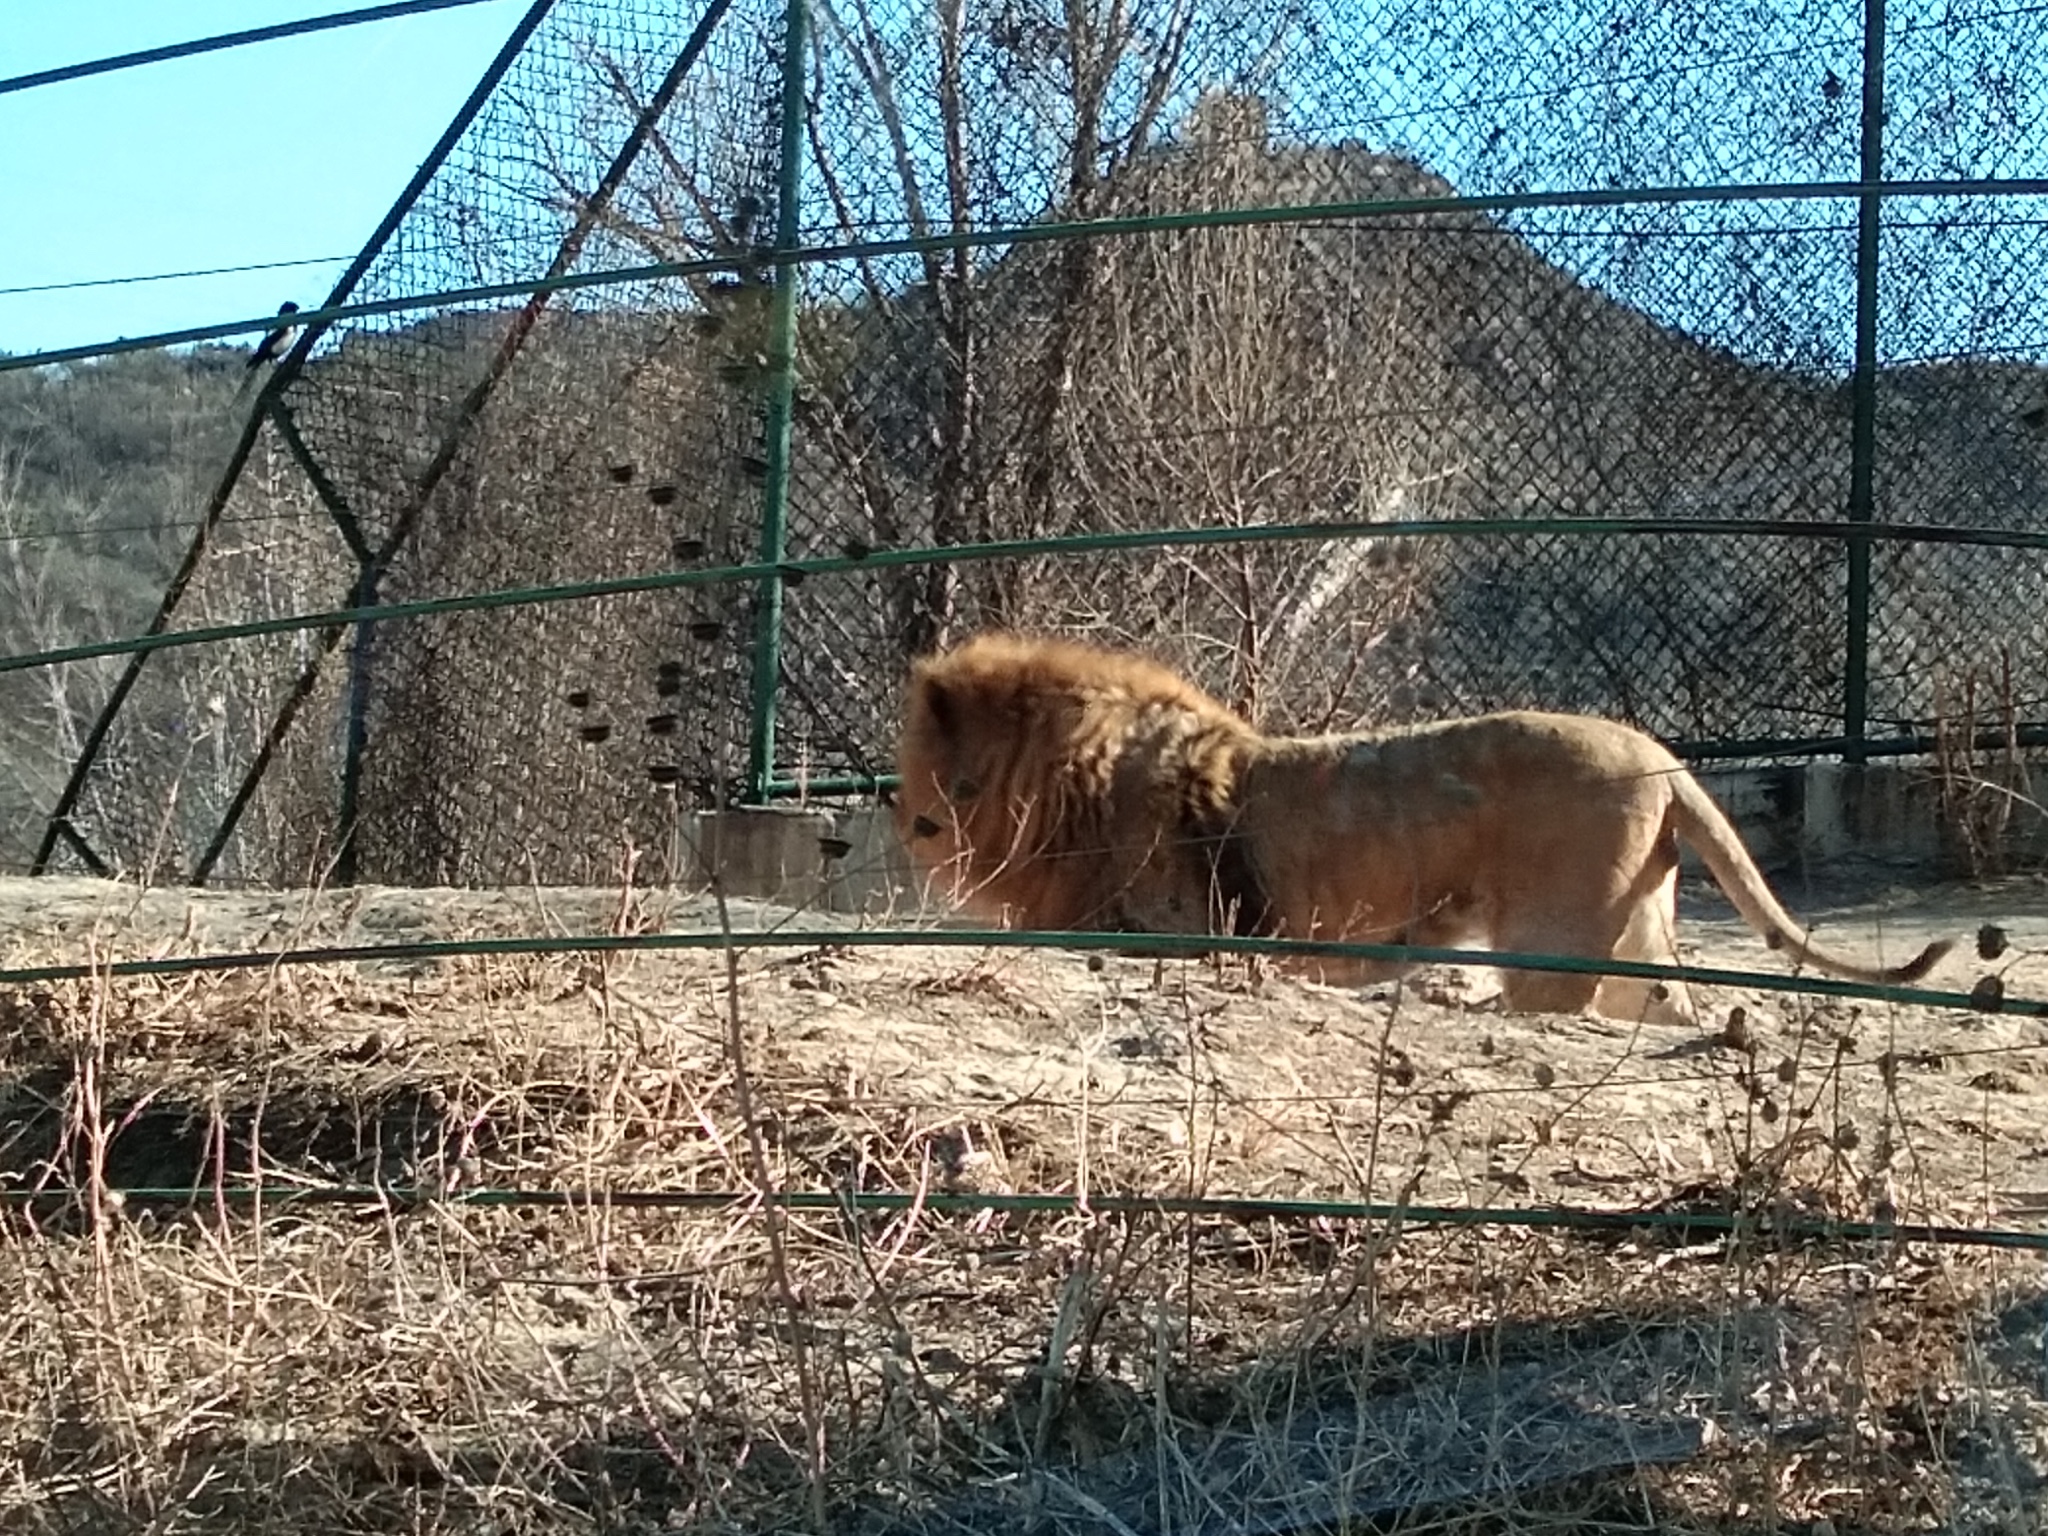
(1922, 963)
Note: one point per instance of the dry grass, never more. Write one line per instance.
(430, 1365)
(1990, 817)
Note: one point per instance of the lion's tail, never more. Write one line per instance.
(1706, 827)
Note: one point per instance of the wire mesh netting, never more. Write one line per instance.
(1599, 1281)
(1659, 358)
(497, 445)
(1609, 337)
(1417, 366)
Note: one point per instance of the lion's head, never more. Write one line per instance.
(1052, 783)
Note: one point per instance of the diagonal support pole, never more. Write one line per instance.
(60, 825)
(363, 591)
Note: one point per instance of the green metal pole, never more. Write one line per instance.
(1863, 387)
(1065, 545)
(781, 398)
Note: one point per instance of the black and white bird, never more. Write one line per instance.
(278, 341)
(275, 343)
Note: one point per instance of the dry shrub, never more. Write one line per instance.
(425, 1357)
(1982, 777)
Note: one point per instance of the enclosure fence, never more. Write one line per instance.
(1371, 364)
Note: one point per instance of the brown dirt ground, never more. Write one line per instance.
(981, 1070)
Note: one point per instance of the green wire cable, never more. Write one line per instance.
(1021, 549)
(1186, 944)
(1225, 1207)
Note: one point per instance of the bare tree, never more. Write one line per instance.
(1065, 98)
(1226, 378)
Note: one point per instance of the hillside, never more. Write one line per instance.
(1421, 366)
(104, 469)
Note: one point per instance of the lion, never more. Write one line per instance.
(1060, 786)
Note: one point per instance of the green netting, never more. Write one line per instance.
(1665, 356)
(1657, 359)
(492, 447)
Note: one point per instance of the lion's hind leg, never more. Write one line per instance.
(1649, 936)
(1546, 991)
(1605, 897)
(1635, 928)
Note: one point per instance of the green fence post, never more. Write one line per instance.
(781, 400)
(1863, 388)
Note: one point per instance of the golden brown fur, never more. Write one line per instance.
(1042, 780)
(1060, 786)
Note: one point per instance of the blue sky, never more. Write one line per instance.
(154, 169)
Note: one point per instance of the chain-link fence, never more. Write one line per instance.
(1043, 270)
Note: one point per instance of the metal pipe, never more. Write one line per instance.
(781, 400)
(1064, 544)
(1863, 399)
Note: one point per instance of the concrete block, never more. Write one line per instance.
(768, 853)
(873, 878)
(1767, 805)
(1825, 829)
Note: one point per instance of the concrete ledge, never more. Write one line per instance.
(771, 853)
(1797, 818)
(1806, 815)
(844, 859)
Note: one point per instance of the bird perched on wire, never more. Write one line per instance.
(278, 341)
(275, 343)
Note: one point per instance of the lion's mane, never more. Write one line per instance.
(1038, 777)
